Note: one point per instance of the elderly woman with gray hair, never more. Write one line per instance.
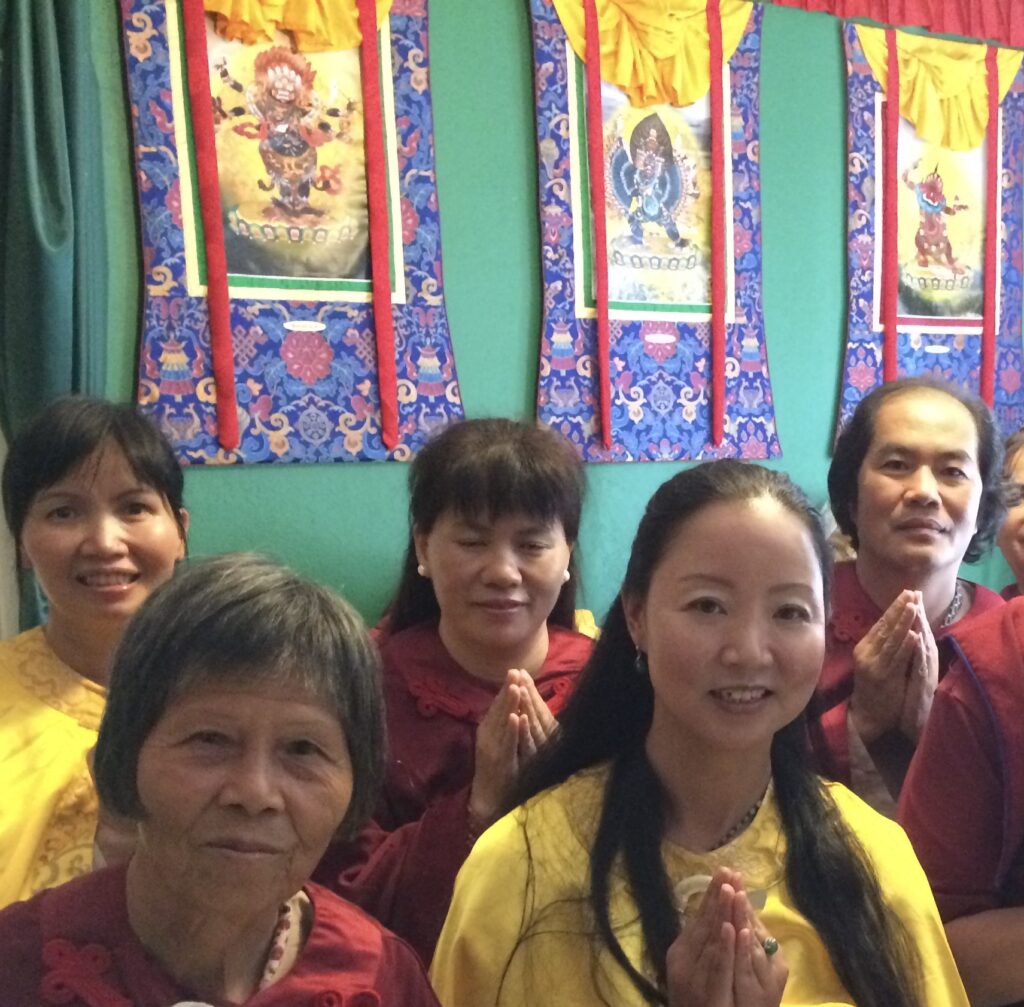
(243, 731)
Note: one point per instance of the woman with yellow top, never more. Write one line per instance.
(93, 497)
(674, 848)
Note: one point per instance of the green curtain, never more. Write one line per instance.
(68, 246)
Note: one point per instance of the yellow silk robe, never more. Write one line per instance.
(49, 719)
(482, 959)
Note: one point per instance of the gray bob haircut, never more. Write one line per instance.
(242, 618)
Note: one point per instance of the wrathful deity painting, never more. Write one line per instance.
(941, 243)
(289, 130)
(658, 201)
(657, 166)
(942, 216)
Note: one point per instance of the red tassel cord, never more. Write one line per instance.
(595, 158)
(718, 225)
(377, 203)
(993, 227)
(221, 349)
(890, 232)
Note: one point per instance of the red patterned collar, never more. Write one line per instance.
(442, 686)
(853, 612)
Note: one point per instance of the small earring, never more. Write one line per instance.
(640, 664)
(421, 570)
(566, 577)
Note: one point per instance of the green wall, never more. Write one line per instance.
(346, 524)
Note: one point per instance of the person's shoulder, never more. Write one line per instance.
(21, 946)
(19, 922)
(409, 640)
(984, 601)
(28, 644)
(344, 927)
(568, 649)
(346, 940)
(882, 838)
(77, 910)
(855, 810)
(550, 818)
(583, 786)
(993, 641)
(412, 654)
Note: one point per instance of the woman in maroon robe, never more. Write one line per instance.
(243, 729)
(479, 655)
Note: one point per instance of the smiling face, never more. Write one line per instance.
(100, 541)
(919, 487)
(496, 581)
(1011, 534)
(733, 626)
(243, 787)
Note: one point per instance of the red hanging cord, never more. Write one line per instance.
(221, 348)
(993, 227)
(595, 158)
(717, 225)
(377, 204)
(890, 195)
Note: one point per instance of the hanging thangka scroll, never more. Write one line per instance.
(935, 288)
(653, 343)
(293, 306)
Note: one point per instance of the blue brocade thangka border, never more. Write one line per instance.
(660, 404)
(303, 395)
(862, 362)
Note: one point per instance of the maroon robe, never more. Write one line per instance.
(963, 800)
(853, 614)
(402, 867)
(73, 945)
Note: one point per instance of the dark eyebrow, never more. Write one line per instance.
(710, 578)
(536, 529)
(56, 492)
(895, 448)
(703, 578)
(470, 523)
(139, 488)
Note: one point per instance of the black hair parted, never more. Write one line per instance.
(491, 468)
(854, 442)
(607, 719)
(242, 618)
(73, 429)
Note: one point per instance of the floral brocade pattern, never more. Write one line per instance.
(45, 676)
(34, 681)
(862, 360)
(660, 396)
(308, 392)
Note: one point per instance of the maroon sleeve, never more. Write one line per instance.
(830, 742)
(401, 981)
(952, 801)
(404, 878)
(20, 954)
(827, 712)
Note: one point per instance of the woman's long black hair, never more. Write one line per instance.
(607, 719)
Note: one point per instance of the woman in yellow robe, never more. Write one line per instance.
(93, 498)
(674, 848)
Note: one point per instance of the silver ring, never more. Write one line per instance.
(770, 945)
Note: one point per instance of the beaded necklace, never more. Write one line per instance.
(959, 596)
(748, 816)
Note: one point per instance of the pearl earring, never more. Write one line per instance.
(566, 577)
(421, 570)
